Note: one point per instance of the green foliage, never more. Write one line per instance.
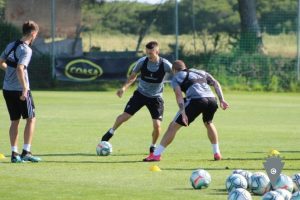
(213, 16)
(278, 16)
(248, 71)
(40, 72)
(122, 17)
(8, 33)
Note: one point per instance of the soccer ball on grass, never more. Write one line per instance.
(235, 181)
(200, 179)
(104, 148)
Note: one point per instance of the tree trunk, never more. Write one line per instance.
(251, 38)
(145, 28)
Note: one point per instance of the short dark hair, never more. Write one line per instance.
(151, 45)
(178, 65)
(29, 26)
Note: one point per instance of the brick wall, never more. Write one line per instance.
(68, 16)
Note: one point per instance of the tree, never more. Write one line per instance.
(251, 37)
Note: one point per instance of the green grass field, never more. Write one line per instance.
(70, 124)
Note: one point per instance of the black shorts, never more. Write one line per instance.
(16, 107)
(194, 107)
(137, 101)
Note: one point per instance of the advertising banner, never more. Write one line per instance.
(91, 69)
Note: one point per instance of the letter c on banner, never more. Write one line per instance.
(130, 69)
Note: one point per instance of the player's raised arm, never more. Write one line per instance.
(213, 82)
(129, 81)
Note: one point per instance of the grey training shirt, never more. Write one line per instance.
(197, 90)
(23, 53)
(151, 89)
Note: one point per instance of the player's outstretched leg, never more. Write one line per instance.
(106, 137)
(119, 121)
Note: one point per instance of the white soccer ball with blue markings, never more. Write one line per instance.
(296, 196)
(284, 182)
(239, 194)
(235, 181)
(200, 179)
(104, 148)
(260, 183)
(284, 193)
(272, 195)
(245, 174)
(296, 181)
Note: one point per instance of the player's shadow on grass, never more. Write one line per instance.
(192, 169)
(217, 191)
(184, 189)
(262, 159)
(290, 151)
(286, 151)
(104, 158)
(65, 154)
(222, 168)
(91, 162)
(86, 154)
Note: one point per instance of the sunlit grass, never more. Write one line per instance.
(70, 124)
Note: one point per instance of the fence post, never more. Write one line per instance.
(298, 42)
(176, 29)
(53, 31)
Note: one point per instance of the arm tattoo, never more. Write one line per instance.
(211, 81)
(219, 91)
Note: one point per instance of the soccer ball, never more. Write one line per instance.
(296, 180)
(239, 194)
(104, 148)
(296, 196)
(245, 174)
(260, 183)
(200, 179)
(272, 195)
(235, 181)
(284, 193)
(284, 182)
